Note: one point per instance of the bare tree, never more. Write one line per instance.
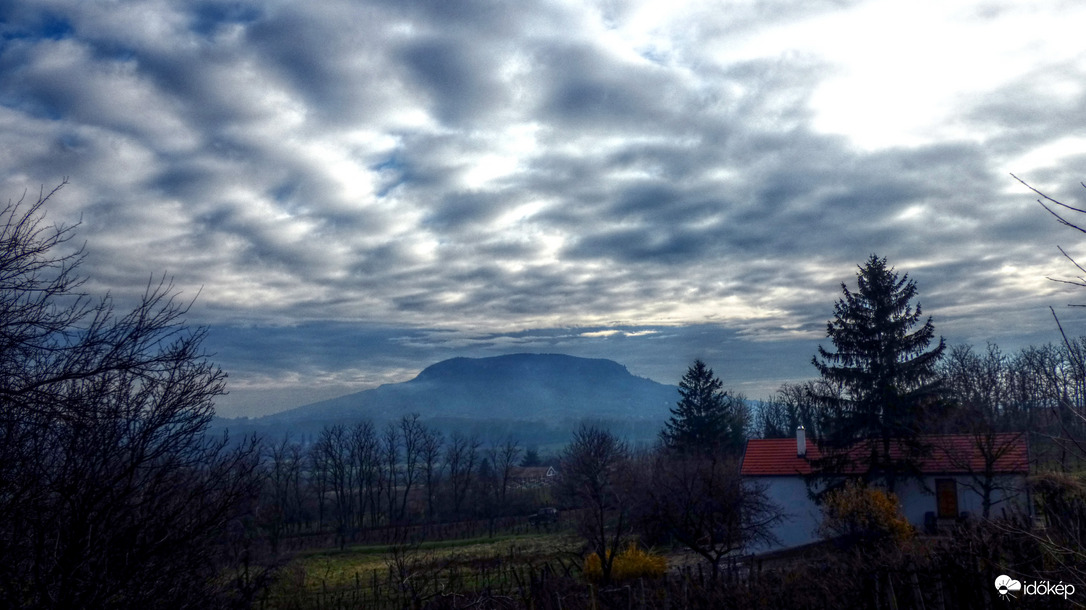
(413, 434)
(1036, 382)
(504, 458)
(111, 495)
(793, 405)
(979, 387)
(390, 469)
(334, 449)
(701, 501)
(485, 494)
(1053, 385)
(431, 467)
(597, 477)
(280, 507)
(461, 457)
(1072, 412)
(1070, 392)
(1063, 214)
(365, 453)
(319, 476)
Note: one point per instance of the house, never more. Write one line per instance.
(532, 477)
(953, 477)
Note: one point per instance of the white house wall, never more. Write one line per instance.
(802, 516)
(915, 502)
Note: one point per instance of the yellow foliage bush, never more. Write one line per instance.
(633, 562)
(863, 515)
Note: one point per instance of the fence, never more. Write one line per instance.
(453, 530)
(558, 585)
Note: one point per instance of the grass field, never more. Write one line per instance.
(368, 574)
(337, 568)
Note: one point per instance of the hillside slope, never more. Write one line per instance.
(535, 387)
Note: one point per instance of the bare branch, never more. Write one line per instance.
(110, 492)
(1045, 197)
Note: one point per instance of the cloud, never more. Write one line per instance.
(610, 332)
(488, 169)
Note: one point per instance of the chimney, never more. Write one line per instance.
(801, 442)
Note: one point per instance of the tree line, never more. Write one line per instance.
(1037, 389)
(359, 477)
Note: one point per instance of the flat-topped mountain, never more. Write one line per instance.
(535, 387)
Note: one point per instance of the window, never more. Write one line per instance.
(946, 498)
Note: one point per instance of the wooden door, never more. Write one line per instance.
(946, 498)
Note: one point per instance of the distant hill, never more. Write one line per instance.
(494, 393)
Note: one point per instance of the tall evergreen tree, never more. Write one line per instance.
(706, 418)
(886, 376)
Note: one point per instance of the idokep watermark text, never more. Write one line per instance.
(1007, 587)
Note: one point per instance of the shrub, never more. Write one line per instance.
(863, 516)
(629, 564)
(1061, 497)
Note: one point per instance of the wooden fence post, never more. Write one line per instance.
(686, 582)
(915, 581)
(667, 592)
(940, 601)
(892, 597)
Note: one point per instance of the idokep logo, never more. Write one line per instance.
(1007, 587)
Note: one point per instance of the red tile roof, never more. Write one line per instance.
(951, 453)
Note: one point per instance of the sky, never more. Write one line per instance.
(355, 190)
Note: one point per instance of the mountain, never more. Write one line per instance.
(512, 393)
(517, 387)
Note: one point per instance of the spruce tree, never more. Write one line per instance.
(886, 376)
(706, 418)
